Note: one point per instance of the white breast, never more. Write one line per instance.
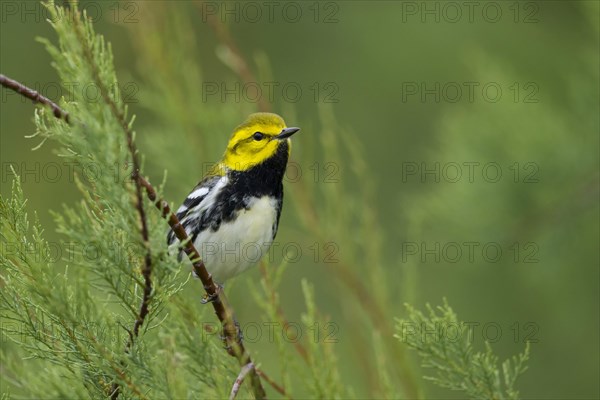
(240, 243)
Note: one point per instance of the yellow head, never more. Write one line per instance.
(256, 140)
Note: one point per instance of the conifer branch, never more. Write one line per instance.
(119, 114)
(231, 331)
(456, 363)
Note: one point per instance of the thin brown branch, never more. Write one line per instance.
(34, 96)
(273, 384)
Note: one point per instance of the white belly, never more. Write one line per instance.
(241, 243)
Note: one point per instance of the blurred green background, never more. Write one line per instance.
(389, 73)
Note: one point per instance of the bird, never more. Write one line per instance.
(232, 214)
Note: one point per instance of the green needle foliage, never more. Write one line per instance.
(445, 345)
(78, 314)
(68, 323)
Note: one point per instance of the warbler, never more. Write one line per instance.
(232, 215)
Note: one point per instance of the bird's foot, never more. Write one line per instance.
(209, 298)
(229, 344)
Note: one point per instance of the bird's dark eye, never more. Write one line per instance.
(258, 136)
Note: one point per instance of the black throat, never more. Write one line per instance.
(264, 178)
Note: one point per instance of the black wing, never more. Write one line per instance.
(193, 201)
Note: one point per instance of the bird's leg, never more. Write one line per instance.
(210, 298)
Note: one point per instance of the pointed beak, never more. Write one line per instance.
(286, 133)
